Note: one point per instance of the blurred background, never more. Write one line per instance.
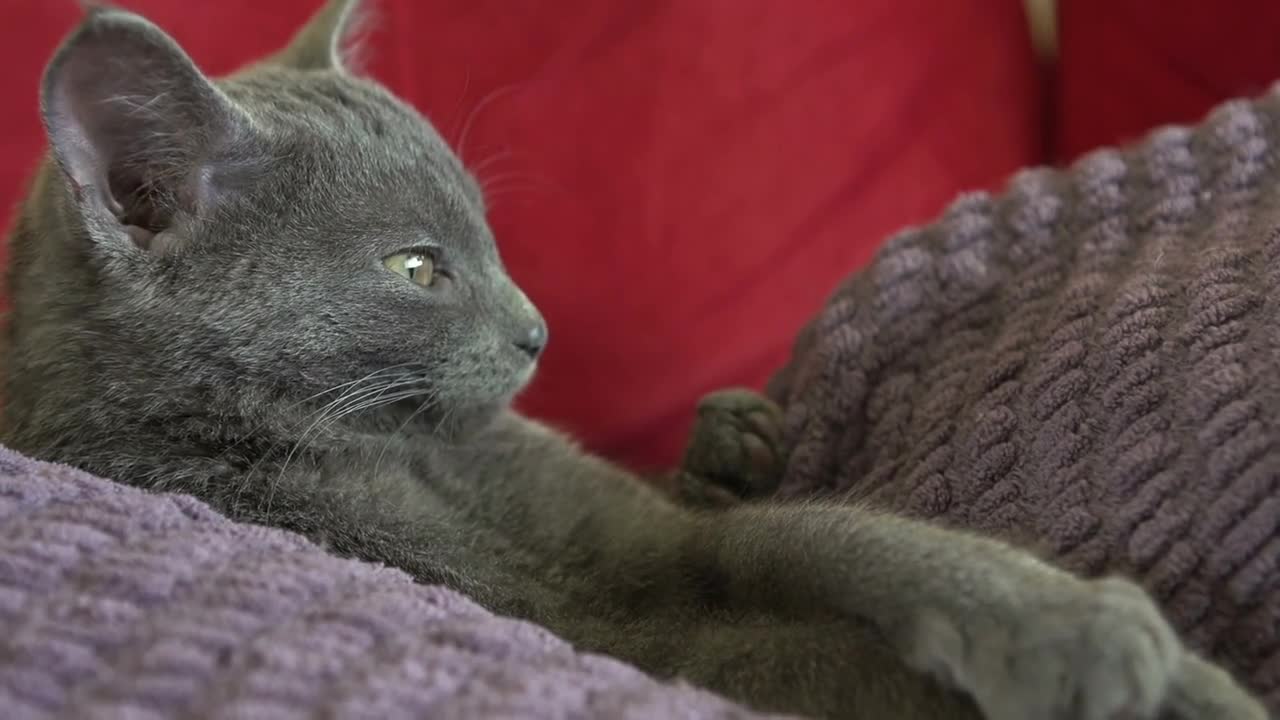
(679, 184)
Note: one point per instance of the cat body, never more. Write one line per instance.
(277, 292)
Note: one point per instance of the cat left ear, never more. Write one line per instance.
(321, 43)
(136, 128)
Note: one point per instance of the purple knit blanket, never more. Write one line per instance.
(120, 605)
(1089, 362)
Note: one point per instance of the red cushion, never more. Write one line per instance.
(32, 29)
(677, 185)
(1130, 65)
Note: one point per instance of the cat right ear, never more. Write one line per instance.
(134, 127)
(322, 43)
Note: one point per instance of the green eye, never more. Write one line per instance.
(417, 267)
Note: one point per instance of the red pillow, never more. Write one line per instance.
(680, 185)
(1128, 66)
(677, 185)
(31, 31)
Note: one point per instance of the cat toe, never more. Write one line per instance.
(1203, 691)
(1100, 652)
(735, 451)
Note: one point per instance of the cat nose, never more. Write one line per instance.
(534, 340)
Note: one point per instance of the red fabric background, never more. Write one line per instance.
(1131, 65)
(679, 185)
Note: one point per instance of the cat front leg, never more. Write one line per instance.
(1024, 639)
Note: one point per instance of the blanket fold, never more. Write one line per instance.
(1088, 362)
(118, 604)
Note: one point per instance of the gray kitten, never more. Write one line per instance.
(277, 291)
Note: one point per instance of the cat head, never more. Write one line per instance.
(291, 225)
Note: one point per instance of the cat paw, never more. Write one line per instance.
(735, 451)
(1091, 650)
(1202, 691)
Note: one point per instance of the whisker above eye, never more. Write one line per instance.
(492, 96)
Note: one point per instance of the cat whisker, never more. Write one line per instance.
(431, 397)
(364, 400)
(457, 107)
(346, 399)
(441, 422)
(353, 394)
(485, 101)
(504, 184)
(378, 402)
(349, 383)
(489, 183)
(479, 169)
(309, 398)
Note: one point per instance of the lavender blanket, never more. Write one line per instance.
(119, 605)
(1090, 362)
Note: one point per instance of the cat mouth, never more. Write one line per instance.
(525, 376)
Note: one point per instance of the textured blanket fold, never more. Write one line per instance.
(119, 605)
(1089, 361)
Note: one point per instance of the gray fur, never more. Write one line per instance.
(200, 306)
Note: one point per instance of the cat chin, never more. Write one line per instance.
(525, 377)
(461, 423)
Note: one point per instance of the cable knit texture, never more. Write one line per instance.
(119, 605)
(1089, 362)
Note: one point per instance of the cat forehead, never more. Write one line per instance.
(353, 127)
(333, 108)
(266, 88)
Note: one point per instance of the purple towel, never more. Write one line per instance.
(119, 605)
(1089, 361)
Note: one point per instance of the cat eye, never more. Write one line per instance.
(416, 266)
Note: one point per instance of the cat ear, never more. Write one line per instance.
(320, 44)
(134, 125)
